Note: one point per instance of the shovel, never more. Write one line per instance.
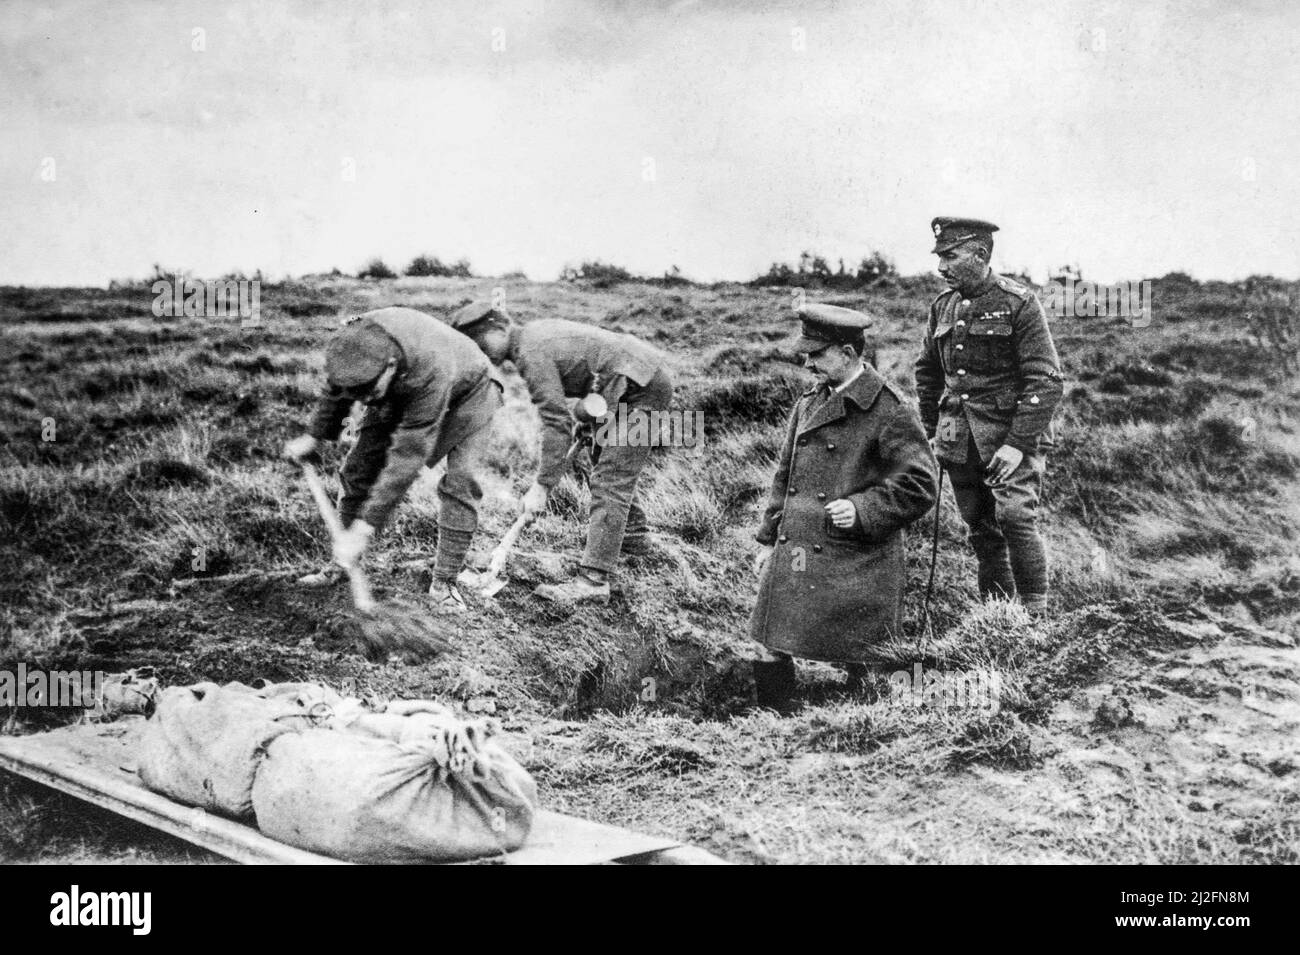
(495, 577)
(385, 629)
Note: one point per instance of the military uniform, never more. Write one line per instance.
(988, 375)
(560, 360)
(830, 593)
(440, 404)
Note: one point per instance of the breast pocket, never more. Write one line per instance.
(991, 345)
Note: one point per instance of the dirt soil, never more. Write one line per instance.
(1153, 717)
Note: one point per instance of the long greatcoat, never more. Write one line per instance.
(826, 593)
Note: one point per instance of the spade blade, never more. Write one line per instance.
(493, 586)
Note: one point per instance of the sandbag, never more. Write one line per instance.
(404, 785)
(203, 744)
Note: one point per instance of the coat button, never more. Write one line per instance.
(802, 442)
(821, 496)
(965, 397)
(830, 445)
(782, 539)
(960, 347)
(960, 323)
(961, 371)
(965, 301)
(791, 490)
(817, 548)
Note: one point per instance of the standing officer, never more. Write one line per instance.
(559, 360)
(854, 470)
(988, 380)
(429, 394)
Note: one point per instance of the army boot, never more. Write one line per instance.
(644, 548)
(775, 683)
(587, 587)
(449, 601)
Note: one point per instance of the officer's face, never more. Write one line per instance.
(963, 266)
(832, 364)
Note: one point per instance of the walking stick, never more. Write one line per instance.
(934, 560)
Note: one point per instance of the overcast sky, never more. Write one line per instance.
(1133, 138)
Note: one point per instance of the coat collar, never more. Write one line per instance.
(982, 287)
(862, 392)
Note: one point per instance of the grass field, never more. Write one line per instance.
(148, 521)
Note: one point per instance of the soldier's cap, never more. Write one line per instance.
(358, 354)
(950, 233)
(825, 325)
(463, 319)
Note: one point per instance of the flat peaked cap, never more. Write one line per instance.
(465, 318)
(831, 325)
(357, 354)
(950, 233)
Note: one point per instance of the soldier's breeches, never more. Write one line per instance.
(459, 494)
(1003, 527)
(613, 488)
(614, 510)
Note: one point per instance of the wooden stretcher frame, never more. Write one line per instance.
(94, 763)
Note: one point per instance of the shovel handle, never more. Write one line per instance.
(497, 562)
(362, 599)
(323, 502)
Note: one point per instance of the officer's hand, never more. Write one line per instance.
(761, 558)
(535, 500)
(296, 449)
(1004, 464)
(842, 513)
(352, 543)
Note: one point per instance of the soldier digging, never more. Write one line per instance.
(429, 394)
(560, 360)
(988, 380)
(854, 471)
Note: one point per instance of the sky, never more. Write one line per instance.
(1132, 139)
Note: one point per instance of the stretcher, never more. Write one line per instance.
(94, 762)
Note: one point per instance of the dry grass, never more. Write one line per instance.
(1173, 524)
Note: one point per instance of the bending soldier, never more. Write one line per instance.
(559, 360)
(429, 394)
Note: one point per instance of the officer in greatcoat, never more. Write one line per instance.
(854, 470)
